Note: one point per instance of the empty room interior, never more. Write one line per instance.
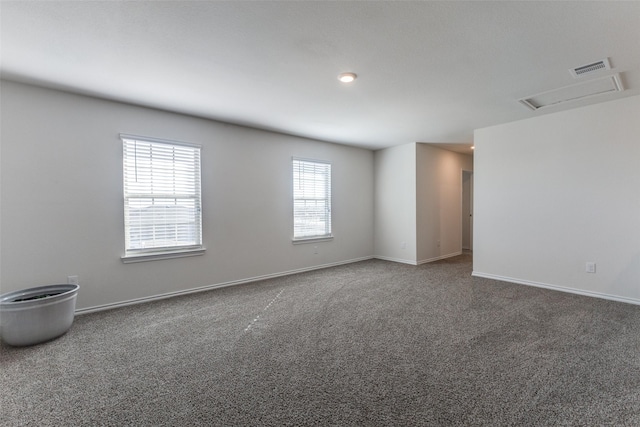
(324, 213)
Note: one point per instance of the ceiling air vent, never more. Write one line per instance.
(600, 86)
(590, 68)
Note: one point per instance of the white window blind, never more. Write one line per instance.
(162, 206)
(311, 199)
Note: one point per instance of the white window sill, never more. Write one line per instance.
(311, 240)
(154, 256)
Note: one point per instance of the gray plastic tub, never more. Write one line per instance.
(34, 315)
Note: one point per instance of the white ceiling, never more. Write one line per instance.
(428, 71)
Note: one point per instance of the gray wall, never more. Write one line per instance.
(62, 208)
(418, 203)
(559, 190)
(395, 203)
(439, 202)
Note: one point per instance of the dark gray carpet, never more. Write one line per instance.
(372, 343)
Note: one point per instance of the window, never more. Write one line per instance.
(162, 206)
(311, 199)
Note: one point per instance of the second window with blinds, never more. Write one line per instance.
(311, 200)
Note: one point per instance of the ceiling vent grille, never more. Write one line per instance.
(590, 68)
(595, 87)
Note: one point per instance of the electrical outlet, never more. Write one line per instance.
(403, 245)
(315, 250)
(590, 267)
(72, 280)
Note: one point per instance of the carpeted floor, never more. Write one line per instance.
(370, 344)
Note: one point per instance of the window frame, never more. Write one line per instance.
(132, 254)
(328, 217)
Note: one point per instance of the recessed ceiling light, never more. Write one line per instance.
(347, 77)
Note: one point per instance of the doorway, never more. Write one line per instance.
(467, 210)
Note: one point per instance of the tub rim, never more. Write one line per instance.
(63, 293)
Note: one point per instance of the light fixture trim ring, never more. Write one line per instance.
(347, 77)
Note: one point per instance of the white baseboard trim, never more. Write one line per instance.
(411, 262)
(438, 258)
(557, 288)
(400, 260)
(215, 286)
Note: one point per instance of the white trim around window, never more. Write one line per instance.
(311, 200)
(162, 199)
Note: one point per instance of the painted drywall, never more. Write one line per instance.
(418, 203)
(439, 202)
(557, 191)
(467, 210)
(395, 203)
(62, 208)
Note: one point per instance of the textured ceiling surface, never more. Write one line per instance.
(428, 71)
